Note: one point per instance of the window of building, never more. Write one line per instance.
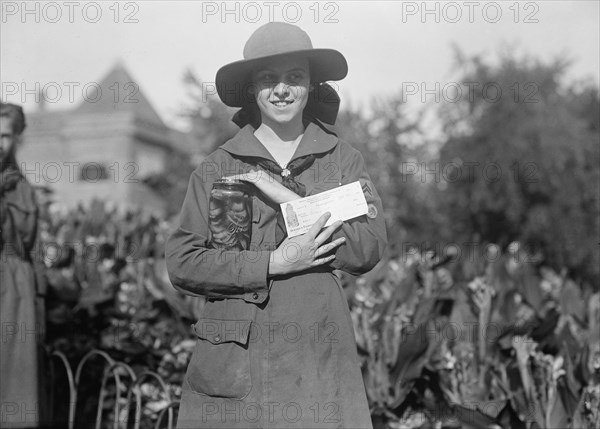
(93, 172)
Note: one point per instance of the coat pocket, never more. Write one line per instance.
(220, 364)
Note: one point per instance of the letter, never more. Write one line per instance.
(227, 411)
(58, 92)
(435, 171)
(9, 8)
(71, 86)
(68, 4)
(297, 414)
(235, 12)
(208, 8)
(9, 329)
(252, 409)
(457, 14)
(498, 12)
(485, 92)
(498, 175)
(57, 175)
(470, 170)
(257, 12)
(409, 8)
(298, 14)
(57, 12)
(98, 12)
(208, 409)
(298, 333)
(409, 168)
(271, 325)
(458, 95)
(435, 12)
(85, 92)
(36, 171)
(435, 92)
(9, 88)
(271, 406)
(35, 11)
(408, 88)
(268, 5)
(35, 92)
(468, 4)
(471, 86)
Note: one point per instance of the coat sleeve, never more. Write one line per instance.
(196, 269)
(366, 236)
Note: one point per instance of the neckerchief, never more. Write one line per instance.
(288, 179)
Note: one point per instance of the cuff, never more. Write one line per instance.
(253, 276)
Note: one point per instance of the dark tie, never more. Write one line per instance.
(288, 175)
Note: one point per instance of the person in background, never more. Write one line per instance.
(22, 329)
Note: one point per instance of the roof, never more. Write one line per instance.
(120, 93)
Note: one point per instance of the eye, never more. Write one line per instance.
(295, 76)
(266, 77)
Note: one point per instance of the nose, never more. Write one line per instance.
(281, 90)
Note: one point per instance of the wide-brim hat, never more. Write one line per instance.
(270, 41)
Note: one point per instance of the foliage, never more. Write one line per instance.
(108, 289)
(525, 156)
(511, 346)
(479, 353)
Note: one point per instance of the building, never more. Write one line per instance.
(104, 148)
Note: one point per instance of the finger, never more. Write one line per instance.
(329, 247)
(318, 225)
(322, 261)
(326, 233)
(234, 177)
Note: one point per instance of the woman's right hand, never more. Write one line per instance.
(307, 250)
(274, 190)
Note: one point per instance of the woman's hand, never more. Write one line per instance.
(267, 185)
(307, 250)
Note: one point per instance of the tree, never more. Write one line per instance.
(210, 119)
(523, 151)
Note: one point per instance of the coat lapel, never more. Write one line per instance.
(314, 141)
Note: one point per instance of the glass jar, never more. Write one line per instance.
(230, 215)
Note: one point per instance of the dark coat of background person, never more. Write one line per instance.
(21, 308)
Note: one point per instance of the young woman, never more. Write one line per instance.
(275, 342)
(21, 329)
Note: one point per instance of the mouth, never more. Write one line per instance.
(281, 103)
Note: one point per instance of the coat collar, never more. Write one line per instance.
(314, 141)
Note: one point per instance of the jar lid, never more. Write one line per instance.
(232, 184)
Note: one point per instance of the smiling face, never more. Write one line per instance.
(281, 88)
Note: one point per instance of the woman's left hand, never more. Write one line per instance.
(267, 185)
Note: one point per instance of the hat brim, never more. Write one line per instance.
(233, 79)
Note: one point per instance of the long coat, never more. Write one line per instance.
(273, 351)
(21, 329)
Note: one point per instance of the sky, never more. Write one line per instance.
(389, 46)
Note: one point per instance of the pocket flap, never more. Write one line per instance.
(219, 331)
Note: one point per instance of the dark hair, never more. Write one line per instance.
(16, 115)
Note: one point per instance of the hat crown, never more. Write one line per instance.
(276, 38)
